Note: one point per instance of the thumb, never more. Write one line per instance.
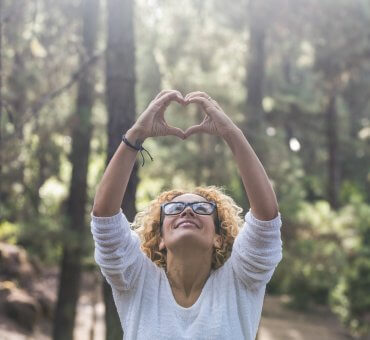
(174, 131)
(193, 130)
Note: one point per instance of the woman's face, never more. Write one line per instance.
(189, 230)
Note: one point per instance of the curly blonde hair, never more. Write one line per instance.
(147, 224)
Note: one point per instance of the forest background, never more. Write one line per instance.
(294, 75)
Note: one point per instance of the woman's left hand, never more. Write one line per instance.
(216, 121)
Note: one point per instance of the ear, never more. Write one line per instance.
(161, 244)
(217, 241)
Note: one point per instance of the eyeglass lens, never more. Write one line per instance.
(202, 208)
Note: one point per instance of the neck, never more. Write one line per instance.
(188, 274)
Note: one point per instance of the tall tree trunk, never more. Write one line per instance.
(18, 105)
(332, 144)
(255, 115)
(1, 99)
(254, 112)
(255, 70)
(120, 95)
(74, 245)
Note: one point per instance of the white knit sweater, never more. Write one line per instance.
(230, 303)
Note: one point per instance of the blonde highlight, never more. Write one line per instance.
(147, 224)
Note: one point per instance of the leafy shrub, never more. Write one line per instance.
(314, 253)
(351, 297)
(42, 237)
(9, 232)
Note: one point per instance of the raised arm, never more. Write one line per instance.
(151, 123)
(109, 196)
(259, 190)
(258, 248)
(117, 247)
(260, 193)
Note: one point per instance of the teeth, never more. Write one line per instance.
(187, 223)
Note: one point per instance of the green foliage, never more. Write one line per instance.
(205, 46)
(326, 260)
(43, 238)
(314, 253)
(351, 299)
(312, 271)
(286, 173)
(9, 232)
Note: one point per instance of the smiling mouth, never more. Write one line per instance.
(187, 225)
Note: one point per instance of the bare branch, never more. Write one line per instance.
(76, 76)
(50, 96)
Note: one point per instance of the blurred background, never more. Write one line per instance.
(294, 75)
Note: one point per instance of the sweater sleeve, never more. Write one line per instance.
(257, 250)
(117, 250)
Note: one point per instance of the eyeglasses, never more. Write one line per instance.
(200, 208)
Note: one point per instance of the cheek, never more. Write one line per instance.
(211, 220)
(209, 226)
(167, 224)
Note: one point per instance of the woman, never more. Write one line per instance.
(181, 275)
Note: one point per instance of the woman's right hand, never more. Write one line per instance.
(151, 122)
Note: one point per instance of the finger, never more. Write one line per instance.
(197, 94)
(205, 103)
(174, 131)
(202, 95)
(215, 103)
(160, 105)
(160, 94)
(194, 129)
(190, 94)
(165, 92)
(168, 97)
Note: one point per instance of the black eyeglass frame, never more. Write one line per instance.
(186, 204)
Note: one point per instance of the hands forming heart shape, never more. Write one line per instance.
(151, 123)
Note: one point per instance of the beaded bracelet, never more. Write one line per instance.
(139, 148)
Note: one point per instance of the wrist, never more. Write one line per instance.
(135, 137)
(232, 133)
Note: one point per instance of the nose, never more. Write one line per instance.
(187, 210)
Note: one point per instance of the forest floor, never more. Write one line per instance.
(277, 323)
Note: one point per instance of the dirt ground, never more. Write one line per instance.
(277, 323)
(280, 323)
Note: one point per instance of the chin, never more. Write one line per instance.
(189, 241)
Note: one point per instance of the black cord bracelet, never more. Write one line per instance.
(137, 148)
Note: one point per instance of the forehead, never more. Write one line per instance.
(189, 198)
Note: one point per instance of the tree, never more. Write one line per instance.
(74, 243)
(1, 92)
(120, 98)
(260, 15)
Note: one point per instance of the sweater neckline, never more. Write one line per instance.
(195, 305)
